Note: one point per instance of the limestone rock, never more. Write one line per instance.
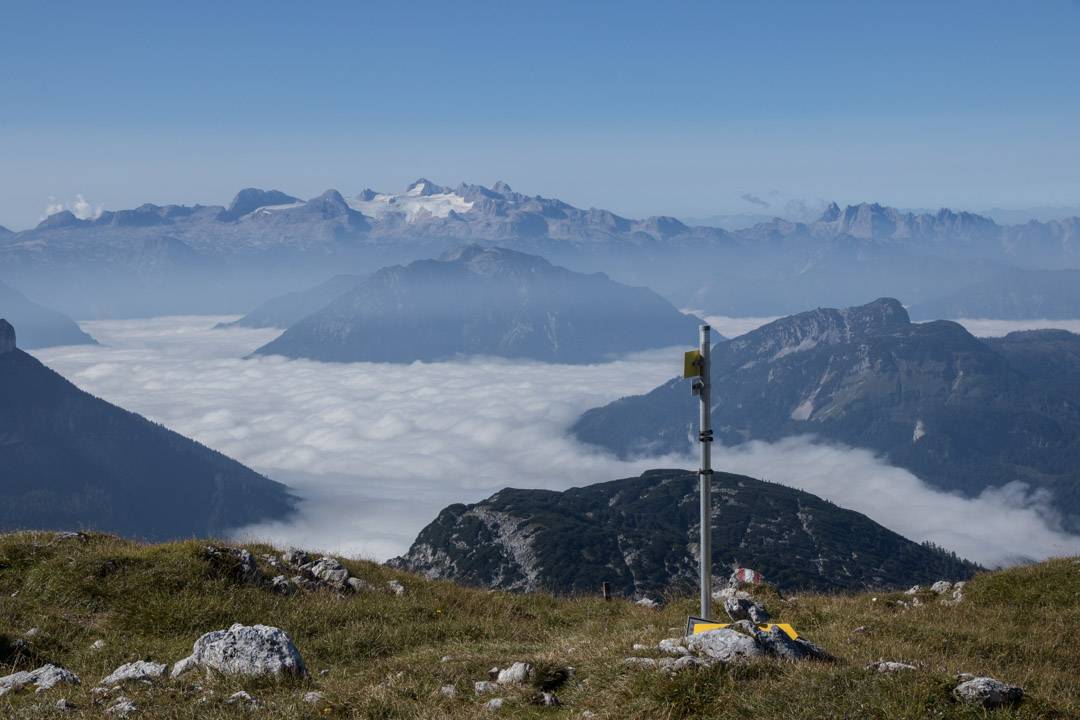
(745, 609)
(241, 698)
(395, 587)
(314, 697)
(483, 687)
(988, 692)
(889, 666)
(249, 650)
(448, 691)
(138, 671)
(122, 707)
(295, 558)
(724, 645)
(495, 704)
(181, 667)
(516, 674)
(329, 571)
(237, 563)
(44, 678)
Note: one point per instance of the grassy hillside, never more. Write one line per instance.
(378, 655)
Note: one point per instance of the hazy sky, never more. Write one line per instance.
(644, 108)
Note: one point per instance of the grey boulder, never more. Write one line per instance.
(724, 645)
(987, 692)
(44, 678)
(138, 671)
(248, 650)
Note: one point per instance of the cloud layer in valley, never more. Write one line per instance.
(376, 450)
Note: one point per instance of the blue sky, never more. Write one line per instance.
(644, 108)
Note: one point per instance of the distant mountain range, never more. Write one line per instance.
(146, 260)
(70, 461)
(961, 413)
(39, 326)
(484, 301)
(639, 534)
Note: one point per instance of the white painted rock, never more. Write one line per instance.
(250, 650)
(138, 671)
(988, 692)
(724, 645)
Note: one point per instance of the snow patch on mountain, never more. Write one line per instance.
(422, 198)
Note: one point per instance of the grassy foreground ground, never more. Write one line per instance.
(378, 655)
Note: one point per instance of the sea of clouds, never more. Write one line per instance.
(376, 450)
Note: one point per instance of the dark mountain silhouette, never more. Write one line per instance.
(638, 534)
(485, 301)
(71, 461)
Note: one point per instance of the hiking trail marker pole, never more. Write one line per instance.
(696, 366)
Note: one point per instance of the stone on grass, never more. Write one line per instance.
(249, 650)
(988, 692)
(44, 678)
(182, 666)
(640, 662)
(237, 563)
(241, 698)
(448, 691)
(648, 603)
(314, 697)
(122, 707)
(889, 666)
(672, 646)
(138, 671)
(913, 589)
(281, 585)
(395, 587)
(724, 645)
(65, 705)
(32, 633)
(329, 571)
(778, 644)
(295, 557)
(548, 699)
(745, 609)
(494, 704)
(941, 587)
(483, 687)
(98, 645)
(516, 674)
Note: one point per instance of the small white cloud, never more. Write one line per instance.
(80, 208)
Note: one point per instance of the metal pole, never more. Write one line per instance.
(705, 477)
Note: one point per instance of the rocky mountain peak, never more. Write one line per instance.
(64, 218)
(831, 214)
(250, 199)
(502, 188)
(424, 188)
(7, 337)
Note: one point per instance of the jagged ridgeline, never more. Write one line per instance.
(69, 460)
(962, 413)
(638, 535)
(485, 301)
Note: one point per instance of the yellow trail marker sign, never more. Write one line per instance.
(692, 364)
(697, 625)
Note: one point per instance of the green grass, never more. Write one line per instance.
(381, 653)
